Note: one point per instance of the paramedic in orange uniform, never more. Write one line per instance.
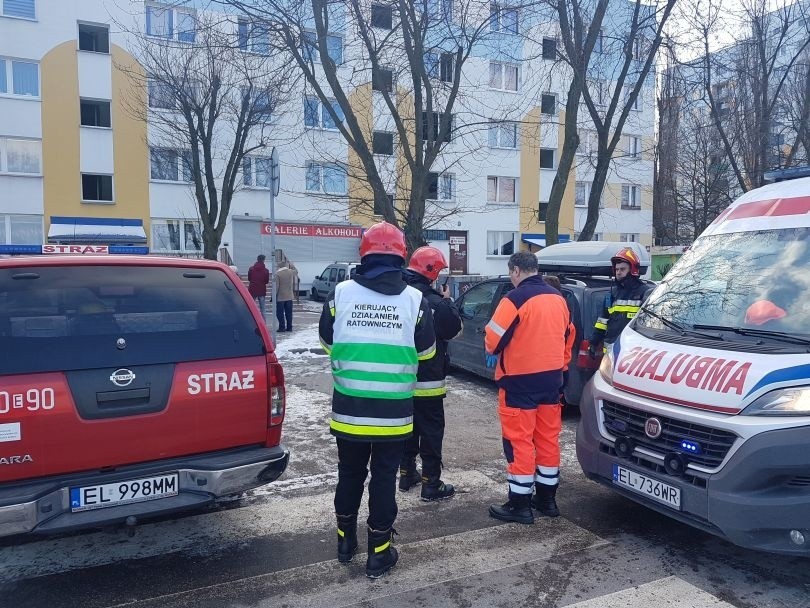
(528, 333)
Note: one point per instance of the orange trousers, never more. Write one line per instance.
(531, 444)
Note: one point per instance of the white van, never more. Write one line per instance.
(702, 409)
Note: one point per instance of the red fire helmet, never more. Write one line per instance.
(428, 261)
(383, 238)
(627, 254)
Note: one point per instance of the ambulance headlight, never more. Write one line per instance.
(782, 402)
(606, 367)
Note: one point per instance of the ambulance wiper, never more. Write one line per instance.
(680, 328)
(763, 333)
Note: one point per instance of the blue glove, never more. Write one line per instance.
(492, 360)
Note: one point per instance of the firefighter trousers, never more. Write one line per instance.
(354, 458)
(531, 444)
(428, 433)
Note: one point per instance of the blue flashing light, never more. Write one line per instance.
(690, 447)
(20, 249)
(128, 249)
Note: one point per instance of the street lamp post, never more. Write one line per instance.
(275, 183)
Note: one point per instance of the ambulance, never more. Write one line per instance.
(701, 410)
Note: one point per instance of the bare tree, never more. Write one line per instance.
(413, 54)
(208, 108)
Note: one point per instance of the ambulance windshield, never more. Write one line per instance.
(752, 280)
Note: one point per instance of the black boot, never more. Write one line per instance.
(408, 476)
(544, 499)
(347, 537)
(516, 509)
(381, 554)
(434, 488)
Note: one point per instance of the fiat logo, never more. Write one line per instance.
(653, 428)
(122, 377)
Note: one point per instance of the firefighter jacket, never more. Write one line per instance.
(376, 329)
(529, 332)
(430, 379)
(623, 303)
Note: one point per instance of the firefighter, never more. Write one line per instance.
(623, 303)
(428, 402)
(376, 330)
(528, 333)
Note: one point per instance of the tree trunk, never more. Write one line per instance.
(210, 244)
(599, 178)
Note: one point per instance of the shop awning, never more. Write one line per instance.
(96, 230)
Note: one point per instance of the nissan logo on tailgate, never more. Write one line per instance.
(122, 377)
(652, 428)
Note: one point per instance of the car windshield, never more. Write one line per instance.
(756, 281)
(65, 318)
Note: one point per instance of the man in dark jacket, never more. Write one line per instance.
(428, 402)
(376, 330)
(623, 303)
(258, 278)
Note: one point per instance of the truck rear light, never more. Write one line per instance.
(584, 360)
(276, 397)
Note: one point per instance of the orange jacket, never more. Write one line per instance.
(530, 331)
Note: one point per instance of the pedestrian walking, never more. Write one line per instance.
(528, 334)
(284, 280)
(623, 303)
(431, 387)
(258, 278)
(376, 330)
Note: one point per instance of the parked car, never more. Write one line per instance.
(578, 267)
(138, 386)
(331, 276)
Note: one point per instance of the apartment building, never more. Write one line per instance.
(77, 165)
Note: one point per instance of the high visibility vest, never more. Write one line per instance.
(374, 360)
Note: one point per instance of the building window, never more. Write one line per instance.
(633, 146)
(547, 156)
(502, 18)
(503, 134)
(334, 47)
(263, 105)
(550, 48)
(628, 237)
(440, 65)
(382, 80)
(168, 22)
(94, 38)
(170, 165)
(26, 9)
(95, 113)
(23, 156)
(542, 211)
(628, 90)
(503, 76)
(548, 104)
(440, 9)
(253, 37)
(317, 116)
(176, 236)
(501, 243)
(641, 47)
(257, 172)
(382, 16)
(19, 77)
(631, 196)
(588, 143)
(328, 178)
(383, 143)
(432, 134)
(501, 189)
(161, 96)
(581, 191)
(20, 229)
(97, 188)
(441, 186)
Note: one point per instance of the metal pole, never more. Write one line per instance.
(274, 174)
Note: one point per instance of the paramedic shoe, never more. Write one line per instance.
(409, 477)
(516, 509)
(347, 537)
(435, 489)
(544, 499)
(381, 554)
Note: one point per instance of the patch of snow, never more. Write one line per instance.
(298, 344)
